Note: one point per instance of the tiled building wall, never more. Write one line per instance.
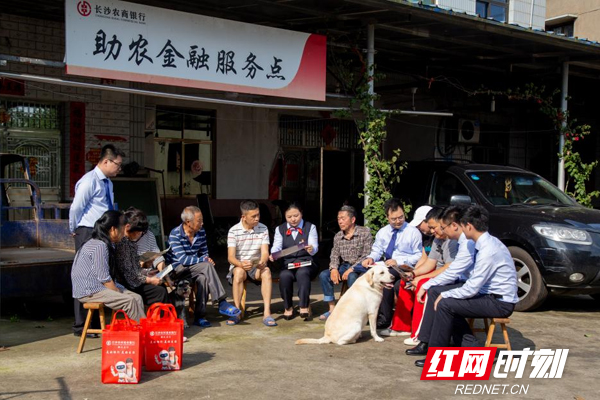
(107, 113)
(519, 12)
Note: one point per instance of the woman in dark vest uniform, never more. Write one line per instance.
(297, 267)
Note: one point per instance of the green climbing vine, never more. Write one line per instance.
(371, 124)
(578, 171)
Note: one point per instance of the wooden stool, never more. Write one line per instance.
(192, 300)
(243, 299)
(489, 328)
(344, 288)
(86, 328)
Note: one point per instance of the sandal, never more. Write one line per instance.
(228, 310)
(233, 320)
(269, 321)
(324, 316)
(203, 323)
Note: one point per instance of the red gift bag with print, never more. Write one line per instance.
(142, 326)
(163, 344)
(121, 351)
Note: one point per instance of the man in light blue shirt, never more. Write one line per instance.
(490, 291)
(93, 196)
(399, 245)
(454, 276)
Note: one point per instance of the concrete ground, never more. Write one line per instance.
(251, 361)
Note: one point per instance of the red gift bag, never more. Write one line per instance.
(121, 351)
(163, 344)
(142, 326)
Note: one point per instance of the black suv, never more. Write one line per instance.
(554, 241)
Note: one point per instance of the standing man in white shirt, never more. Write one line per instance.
(490, 291)
(398, 243)
(93, 196)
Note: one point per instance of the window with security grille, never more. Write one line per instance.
(32, 131)
(295, 131)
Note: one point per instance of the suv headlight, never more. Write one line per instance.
(563, 234)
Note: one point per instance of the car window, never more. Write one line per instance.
(447, 185)
(504, 188)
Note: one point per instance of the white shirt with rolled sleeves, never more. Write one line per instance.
(460, 269)
(408, 249)
(494, 273)
(313, 238)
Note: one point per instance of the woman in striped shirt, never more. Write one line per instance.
(90, 274)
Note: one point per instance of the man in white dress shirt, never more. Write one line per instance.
(398, 244)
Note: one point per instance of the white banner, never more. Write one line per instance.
(127, 41)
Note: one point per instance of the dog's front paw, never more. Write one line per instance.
(378, 339)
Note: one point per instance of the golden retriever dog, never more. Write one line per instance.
(360, 302)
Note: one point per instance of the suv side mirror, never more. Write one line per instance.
(460, 200)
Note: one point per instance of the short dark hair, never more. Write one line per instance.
(350, 210)
(392, 205)
(453, 214)
(435, 213)
(292, 206)
(248, 205)
(476, 216)
(110, 152)
(137, 219)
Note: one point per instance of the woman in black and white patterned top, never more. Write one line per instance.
(128, 271)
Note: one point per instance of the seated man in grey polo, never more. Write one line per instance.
(189, 257)
(351, 245)
(248, 253)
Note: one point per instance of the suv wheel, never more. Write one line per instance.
(531, 288)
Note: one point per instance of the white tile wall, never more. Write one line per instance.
(458, 5)
(520, 13)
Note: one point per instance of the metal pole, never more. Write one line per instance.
(164, 95)
(370, 63)
(561, 140)
(531, 14)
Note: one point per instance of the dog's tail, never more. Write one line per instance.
(323, 340)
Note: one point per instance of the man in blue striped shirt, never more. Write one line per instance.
(190, 260)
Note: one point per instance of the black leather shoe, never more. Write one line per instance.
(418, 350)
(289, 317)
(420, 363)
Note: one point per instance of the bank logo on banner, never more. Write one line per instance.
(475, 363)
(84, 8)
(113, 39)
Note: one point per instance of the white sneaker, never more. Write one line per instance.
(390, 332)
(411, 341)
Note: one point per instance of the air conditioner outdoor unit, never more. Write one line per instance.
(468, 131)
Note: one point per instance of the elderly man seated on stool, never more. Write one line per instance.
(248, 253)
(351, 245)
(189, 257)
